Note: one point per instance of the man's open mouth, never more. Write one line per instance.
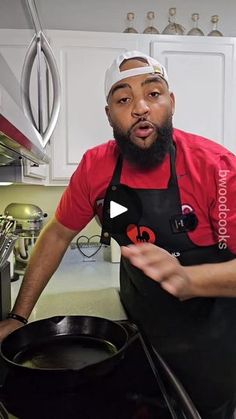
(142, 129)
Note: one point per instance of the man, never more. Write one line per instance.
(178, 274)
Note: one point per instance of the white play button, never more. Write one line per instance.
(116, 209)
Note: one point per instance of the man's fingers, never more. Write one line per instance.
(160, 266)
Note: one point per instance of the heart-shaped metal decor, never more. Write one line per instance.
(86, 245)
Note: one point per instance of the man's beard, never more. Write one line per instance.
(150, 157)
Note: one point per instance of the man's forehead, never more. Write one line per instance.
(132, 64)
(143, 80)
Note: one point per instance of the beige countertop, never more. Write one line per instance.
(80, 287)
(102, 303)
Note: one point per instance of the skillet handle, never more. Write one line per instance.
(130, 327)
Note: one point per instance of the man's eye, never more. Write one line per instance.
(123, 100)
(154, 94)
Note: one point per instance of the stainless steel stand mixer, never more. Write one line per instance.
(29, 221)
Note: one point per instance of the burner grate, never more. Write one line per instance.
(3, 412)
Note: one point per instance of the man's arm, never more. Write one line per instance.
(46, 257)
(184, 282)
(213, 279)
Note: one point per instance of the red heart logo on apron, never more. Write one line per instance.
(140, 234)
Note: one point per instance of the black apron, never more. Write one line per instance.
(196, 337)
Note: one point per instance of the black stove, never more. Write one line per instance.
(132, 390)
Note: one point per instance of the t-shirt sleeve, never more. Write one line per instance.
(223, 205)
(75, 210)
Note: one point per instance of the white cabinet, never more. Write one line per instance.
(13, 47)
(82, 59)
(201, 72)
(202, 75)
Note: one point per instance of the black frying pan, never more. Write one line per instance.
(51, 359)
(64, 350)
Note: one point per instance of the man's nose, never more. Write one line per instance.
(140, 108)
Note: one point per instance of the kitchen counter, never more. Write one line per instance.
(80, 287)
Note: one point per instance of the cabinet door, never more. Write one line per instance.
(202, 76)
(13, 47)
(82, 59)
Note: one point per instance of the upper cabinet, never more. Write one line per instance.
(202, 76)
(201, 71)
(82, 60)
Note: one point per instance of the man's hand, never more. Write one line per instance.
(8, 326)
(162, 267)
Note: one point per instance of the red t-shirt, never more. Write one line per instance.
(206, 174)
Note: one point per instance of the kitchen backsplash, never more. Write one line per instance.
(46, 198)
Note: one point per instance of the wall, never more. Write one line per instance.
(46, 198)
(109, 16)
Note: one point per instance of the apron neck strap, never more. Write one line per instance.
(173, 177)
(117, 172)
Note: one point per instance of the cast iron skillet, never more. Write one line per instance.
(64, 349)
(54, 356)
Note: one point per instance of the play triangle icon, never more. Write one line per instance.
(116, 209)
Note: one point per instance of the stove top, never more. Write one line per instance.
(132, 390)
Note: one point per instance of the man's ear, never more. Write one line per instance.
(172, 98)
(108, 115)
